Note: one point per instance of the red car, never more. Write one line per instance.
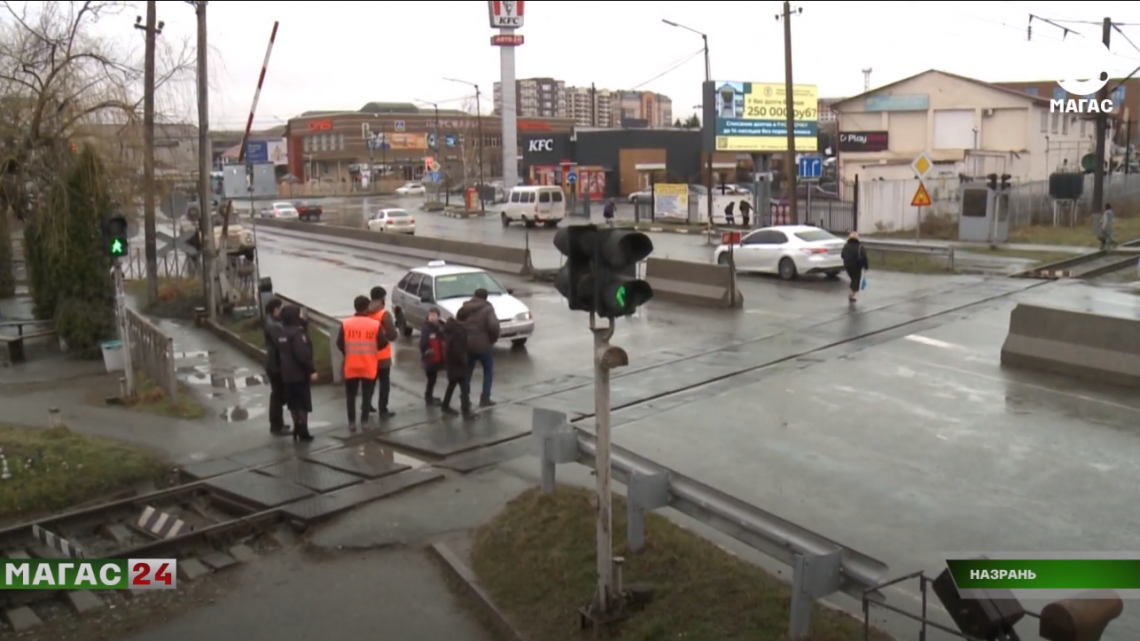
(308, 212)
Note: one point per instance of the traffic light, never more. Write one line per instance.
(617, 289)
(115, 236)
(74, 148)
(1005, 181)
(993, 178)
(575, 279)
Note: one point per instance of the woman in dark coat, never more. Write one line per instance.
(455, 363)
(855, 263)
(295, 351)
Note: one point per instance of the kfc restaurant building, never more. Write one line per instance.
(611, 162)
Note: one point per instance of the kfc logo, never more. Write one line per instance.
(541, 146)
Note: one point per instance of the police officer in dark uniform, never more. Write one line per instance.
(298, 371)
(271, 329)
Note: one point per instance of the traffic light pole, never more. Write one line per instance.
(124, 336)
(604, 596)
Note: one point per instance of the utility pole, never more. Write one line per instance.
(1127, 141)
(1101, 131)
(438, 149)
(479, 119)
(150, 237)
(593, 105)
(709, 160)
(205, 156)
(790, 117)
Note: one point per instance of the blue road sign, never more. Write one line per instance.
(433, 176)
(572, 177)
(449, 140)
(811, 167)
(399, 125)
(257, 152)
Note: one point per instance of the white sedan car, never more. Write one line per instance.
(280, 211)
(787, 250)
(393, 221)
(447, 287)
(411, 189)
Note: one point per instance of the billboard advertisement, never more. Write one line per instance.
(671, 201)
(751, 116)
(402, 142)
(259, 152)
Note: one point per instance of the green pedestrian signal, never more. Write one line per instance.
(115, 236)
(620, 297)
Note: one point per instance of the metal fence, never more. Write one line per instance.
(152, 351)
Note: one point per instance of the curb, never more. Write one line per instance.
(251, 350)
(466, 576)
(463, 214)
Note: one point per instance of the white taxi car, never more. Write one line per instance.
(787, 250)
(447, 287)
(392, 221)
(280, 211)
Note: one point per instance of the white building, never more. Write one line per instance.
(966, 126)
(590, 107)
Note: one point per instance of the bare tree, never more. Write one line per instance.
(469, 147)
(62, 86)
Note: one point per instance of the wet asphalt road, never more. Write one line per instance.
(889, 426)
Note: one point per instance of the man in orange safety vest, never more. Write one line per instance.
(377, 311)
(361, 341)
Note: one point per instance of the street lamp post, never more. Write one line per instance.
(709, 153)
(438, 144)
(479, 120)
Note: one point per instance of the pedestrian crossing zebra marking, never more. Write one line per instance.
(160, 524)
(57, 543)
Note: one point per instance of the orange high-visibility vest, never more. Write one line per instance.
(386, 353)
(360, 357)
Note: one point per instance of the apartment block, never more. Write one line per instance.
(536, 98)
(591, 107)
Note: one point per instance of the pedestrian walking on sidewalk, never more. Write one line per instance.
(456, 355)
(1106, 240)
(271, 328)
(608, 211)
(745, 212)
(360, 340)
(482, 332)
(380, 313)
(855, 263)
(433, 353)
(295, 351)
(729, 216)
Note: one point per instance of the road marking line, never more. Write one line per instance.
(933, 342)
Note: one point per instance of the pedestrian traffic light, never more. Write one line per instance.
(575, 279)
(618, 292)
(993, 178)
(115, 236)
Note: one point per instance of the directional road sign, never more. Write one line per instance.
(433, 176)
(449, 140)
(811, 167)
(922, 166)
(921, 197)
(572, 177)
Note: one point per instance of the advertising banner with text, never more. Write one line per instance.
(752, 116)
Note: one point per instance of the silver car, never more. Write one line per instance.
(447, 287)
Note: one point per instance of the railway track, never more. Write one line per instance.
(1088, 266)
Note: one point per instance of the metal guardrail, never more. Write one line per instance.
(821, 566)
(924, 249)
(153, 351)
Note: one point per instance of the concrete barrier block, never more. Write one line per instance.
(689, 283)
(497, 258)
(1093, 347)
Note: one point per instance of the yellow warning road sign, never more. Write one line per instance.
(921, 197)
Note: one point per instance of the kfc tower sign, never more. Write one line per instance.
(506, 14)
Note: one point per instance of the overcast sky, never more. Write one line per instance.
(340, 55)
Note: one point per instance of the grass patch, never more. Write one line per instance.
(1081, 235)
(249, 329)
(433, 206)
(53, 469)
(537, 560)
(153, 399)
(907, 263)
(1038, 258)
(177, 297)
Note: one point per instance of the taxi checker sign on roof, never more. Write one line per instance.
(922, 165)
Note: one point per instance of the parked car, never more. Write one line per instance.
(239, 240)
(279, 211)
(411, 189)
(309, 212)
(393, 221)
(447, 287)
(545, 205)
(787, 250)
(645, 195)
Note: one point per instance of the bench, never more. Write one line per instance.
(15, 344)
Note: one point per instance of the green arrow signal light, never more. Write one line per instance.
(620, 296)
(118, 247)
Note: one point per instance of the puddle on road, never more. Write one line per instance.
(374, 450)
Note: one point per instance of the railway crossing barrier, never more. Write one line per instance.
(57, 543)
(821, 566)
